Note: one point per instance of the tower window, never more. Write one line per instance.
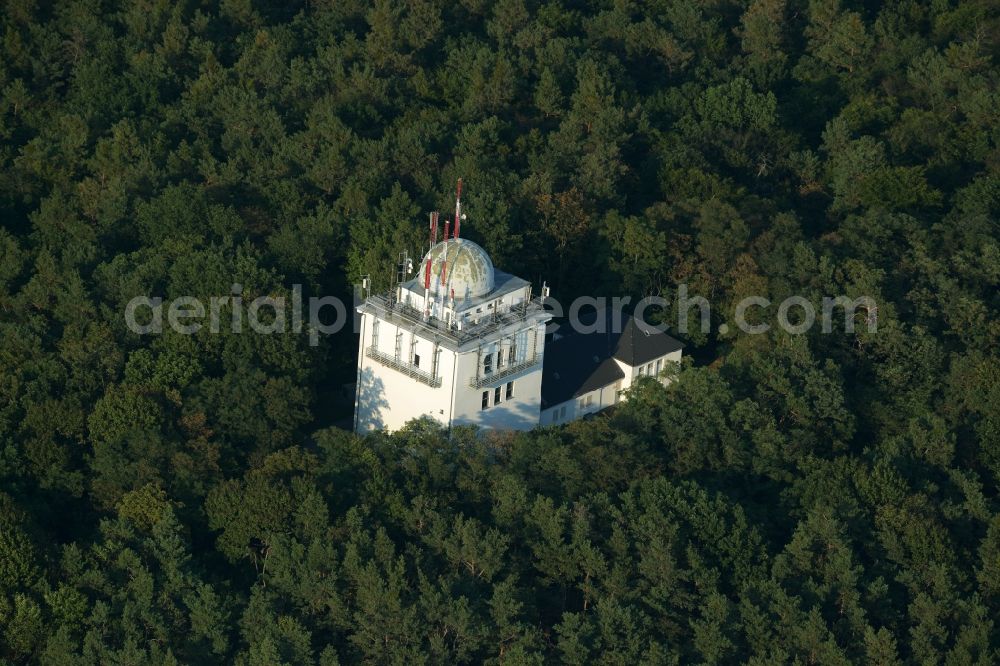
(486, 399)
(510, 390)
(416, 360)
(512, 354)
(488, 364)
(496, 396)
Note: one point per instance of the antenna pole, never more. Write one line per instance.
(444, 258)
(458, 207)
(427, 268)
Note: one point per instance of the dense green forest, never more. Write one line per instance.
(807, 499)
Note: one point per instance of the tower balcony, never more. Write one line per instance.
(402, 366)
(505, 372)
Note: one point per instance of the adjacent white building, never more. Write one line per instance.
(586, 372)
(464, 343)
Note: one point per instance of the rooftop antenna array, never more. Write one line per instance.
(405, 266)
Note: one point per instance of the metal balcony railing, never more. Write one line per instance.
(400, 365)
(503, 373)
(386, 306)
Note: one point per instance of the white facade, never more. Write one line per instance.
(653, 368)
(578, 407)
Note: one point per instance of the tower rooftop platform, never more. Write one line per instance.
(390, 308)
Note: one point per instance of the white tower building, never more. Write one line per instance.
(464, 343)
(461, 344)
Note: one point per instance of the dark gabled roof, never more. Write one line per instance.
(576, 363)
(640, 343)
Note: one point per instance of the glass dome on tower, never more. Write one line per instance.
(469, 272)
